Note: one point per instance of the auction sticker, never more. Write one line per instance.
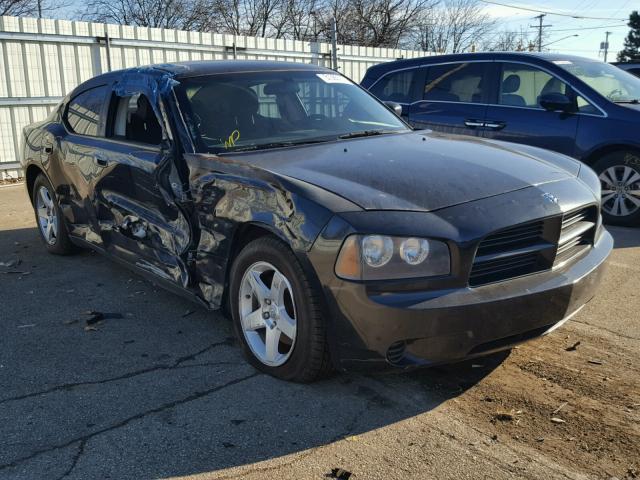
(333, 78)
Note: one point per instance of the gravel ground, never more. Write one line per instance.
(159, 389)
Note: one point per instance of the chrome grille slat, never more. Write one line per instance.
(577, 234)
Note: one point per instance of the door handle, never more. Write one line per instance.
(495, 125)
(473, 123)
(100, 161)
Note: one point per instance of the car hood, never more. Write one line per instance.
(417, 171)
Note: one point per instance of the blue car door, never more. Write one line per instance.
(515, 113)
(453, 98)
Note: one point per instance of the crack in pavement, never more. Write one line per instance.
(167, 406)
(76, 459)
(613, 332)
(176, 364)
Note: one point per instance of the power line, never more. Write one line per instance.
(545, 12)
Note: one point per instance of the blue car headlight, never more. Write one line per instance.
(382, 257)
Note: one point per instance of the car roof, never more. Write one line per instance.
(180, 70)
(457, 57)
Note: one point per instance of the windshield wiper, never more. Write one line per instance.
(634, 101)
(366, 133)
(266, 146)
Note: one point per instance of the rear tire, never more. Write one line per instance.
(51, 226)
(270, 298)
(619, 174)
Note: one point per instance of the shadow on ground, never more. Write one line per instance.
(159, 388)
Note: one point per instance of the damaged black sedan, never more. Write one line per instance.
(334, 234)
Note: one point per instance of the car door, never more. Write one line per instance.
(140, 222)
(453, 98)
(81, 152)
(515, 114)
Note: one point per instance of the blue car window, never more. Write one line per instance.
(395, 87)
(522, 85)
(457, 82)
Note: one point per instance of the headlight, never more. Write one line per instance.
(381, 257)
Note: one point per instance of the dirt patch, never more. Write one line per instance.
(581, 408)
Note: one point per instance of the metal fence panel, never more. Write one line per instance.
(43, 59)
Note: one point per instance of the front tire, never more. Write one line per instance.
(619, 174)
(277, 313)
(53, 231)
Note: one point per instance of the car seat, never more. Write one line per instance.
(510, 85)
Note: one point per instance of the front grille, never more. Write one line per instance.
(512, 238)
(576, 234)
(533, 246)
(510, 253)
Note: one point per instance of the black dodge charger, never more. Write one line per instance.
(334, 234)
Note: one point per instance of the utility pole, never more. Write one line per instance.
(334, 44)
(605, 45)
(540, 26)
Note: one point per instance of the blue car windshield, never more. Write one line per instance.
(266, 109)
(608, 80)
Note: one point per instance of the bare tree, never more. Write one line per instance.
(453, 26)
(506, 41)
(180, 14)
(30, 8)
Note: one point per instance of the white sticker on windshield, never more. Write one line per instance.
(562, 62)
(333, 78)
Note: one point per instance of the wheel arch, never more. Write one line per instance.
(31, 173)
(595, 155)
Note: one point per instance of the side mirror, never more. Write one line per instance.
(556, 102)
(394, 107)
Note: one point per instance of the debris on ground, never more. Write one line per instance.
(17, 272)
(340, 474)
(558, 420)
(573, 347)
(187, 313)
(29, 325)
(503, 416)
(14, 262)
(564, 404)
(92, 319)
(595, 362)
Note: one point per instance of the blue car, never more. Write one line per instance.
(584, 108)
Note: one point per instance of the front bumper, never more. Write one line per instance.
(371, 329)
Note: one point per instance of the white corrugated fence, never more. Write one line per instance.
(41, 60)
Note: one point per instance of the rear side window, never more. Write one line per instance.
(135, 120)
(457, 82)
(395, 87)
(522, 85)
(84, 111)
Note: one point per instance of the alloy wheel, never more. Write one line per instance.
(620, 190)
(47, 217)
(267, 313)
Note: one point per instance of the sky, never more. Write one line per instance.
(591, 33)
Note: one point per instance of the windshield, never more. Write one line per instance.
(257, 110)
(608, 80)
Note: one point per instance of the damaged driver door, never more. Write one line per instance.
(140, 222)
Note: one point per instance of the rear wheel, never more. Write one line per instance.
(619, 174)
(53, 231)
(276, 312)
